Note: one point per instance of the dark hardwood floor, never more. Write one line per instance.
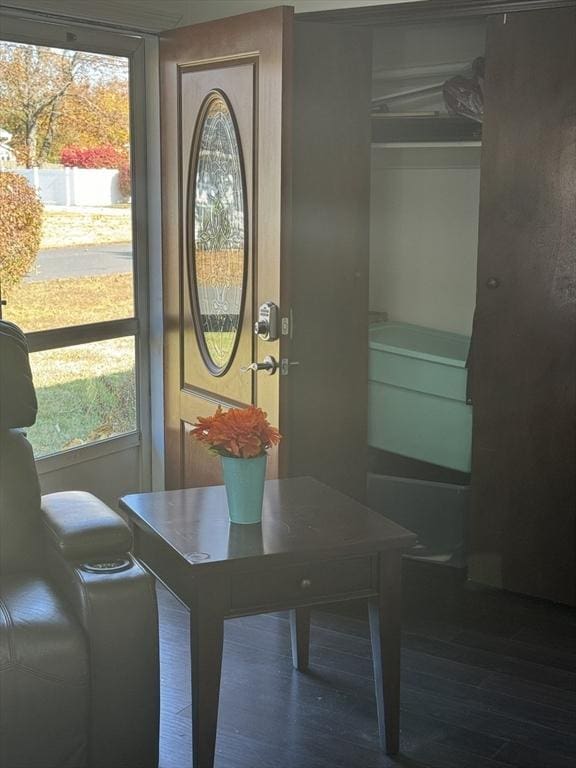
(489, 682)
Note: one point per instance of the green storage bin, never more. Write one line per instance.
(417, 394)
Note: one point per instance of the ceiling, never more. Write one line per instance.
(149, 15)
(157, 15)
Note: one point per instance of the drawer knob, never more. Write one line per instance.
(305, 584)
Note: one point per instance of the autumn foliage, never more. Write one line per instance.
(20, 227)
(105, 156)
(241, 433)
(52, 98)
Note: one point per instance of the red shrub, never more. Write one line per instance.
(125, 180)
(105, 156)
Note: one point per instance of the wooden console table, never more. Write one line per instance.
(314, 546)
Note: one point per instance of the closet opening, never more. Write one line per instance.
(427, 101)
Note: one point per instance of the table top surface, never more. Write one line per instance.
(300, 517)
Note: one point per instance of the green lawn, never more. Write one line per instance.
(85, 393)
(83, 411)
(70, 301)
(66, 228)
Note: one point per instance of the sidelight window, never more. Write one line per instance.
(66, 129)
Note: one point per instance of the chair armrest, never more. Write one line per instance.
(118, 612)
(82, 527)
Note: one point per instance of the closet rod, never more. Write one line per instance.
(436, 88)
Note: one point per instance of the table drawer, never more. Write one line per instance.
(304, 583)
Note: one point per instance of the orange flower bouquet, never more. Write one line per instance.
(239, 433)
(241, 437)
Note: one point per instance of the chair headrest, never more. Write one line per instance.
(18, 404)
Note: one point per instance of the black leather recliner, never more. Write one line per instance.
(79, 672)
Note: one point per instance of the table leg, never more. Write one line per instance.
(300, 636)
(385, 627)
(206, 643)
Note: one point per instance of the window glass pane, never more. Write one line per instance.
(65, 133)
(85, 393)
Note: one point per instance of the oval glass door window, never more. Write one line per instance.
(218, 239)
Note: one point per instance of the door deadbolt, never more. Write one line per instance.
(266, 327)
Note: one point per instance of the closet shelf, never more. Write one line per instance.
(425, 131)
(424, 144)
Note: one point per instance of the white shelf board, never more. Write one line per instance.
(425, 144)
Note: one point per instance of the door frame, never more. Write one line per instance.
(146, 326)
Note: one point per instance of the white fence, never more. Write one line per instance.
(74, 186)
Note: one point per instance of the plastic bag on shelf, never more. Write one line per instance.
(464, 96)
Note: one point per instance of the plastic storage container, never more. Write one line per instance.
(417, 394)
(436, 512)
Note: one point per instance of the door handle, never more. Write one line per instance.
(269, 364)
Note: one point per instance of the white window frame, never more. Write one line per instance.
(146, 326)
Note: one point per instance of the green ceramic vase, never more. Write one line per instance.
(244, 481)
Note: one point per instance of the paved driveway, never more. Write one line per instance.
(82, 261)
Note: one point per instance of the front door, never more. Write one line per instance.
(223, 116)
(266, 205)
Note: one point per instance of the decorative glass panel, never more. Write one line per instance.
(218, 225)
